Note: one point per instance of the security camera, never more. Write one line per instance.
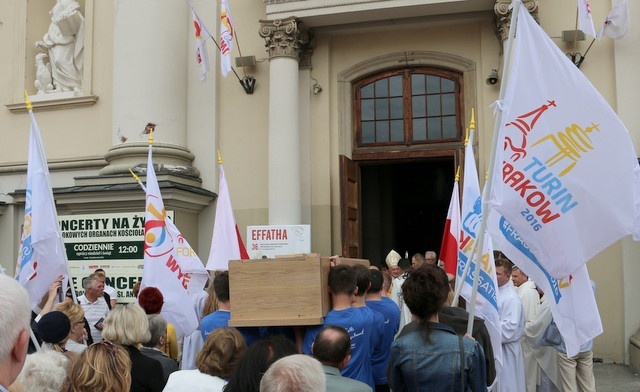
(493, 77)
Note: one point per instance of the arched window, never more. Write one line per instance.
(408, 106)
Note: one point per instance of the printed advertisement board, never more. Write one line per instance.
(113, 242)
(271, 241)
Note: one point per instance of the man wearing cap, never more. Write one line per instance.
(14, 324)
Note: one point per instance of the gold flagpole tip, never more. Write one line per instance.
(466, 138)
(219, 158)
(472, 124)
(27, 101)
(135, 177)
(458, 174)
(486, 175)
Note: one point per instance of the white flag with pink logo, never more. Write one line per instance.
(585, 18)
(566, 173)
(170, 264)
(227, 35)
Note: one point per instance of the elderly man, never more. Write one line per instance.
(293, 373)
(14, 324)
(94, 305)
(332, 347)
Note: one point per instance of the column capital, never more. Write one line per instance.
(285, 37)
(503, 16)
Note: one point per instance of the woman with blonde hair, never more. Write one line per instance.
(128, 326)
(102, 366)
(76, 340)
(215, 363)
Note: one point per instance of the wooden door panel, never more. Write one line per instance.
(350, 207)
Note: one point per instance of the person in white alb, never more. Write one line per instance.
(94, 305)
(512, 318)
(530, 298)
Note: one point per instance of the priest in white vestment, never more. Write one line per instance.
(512, 317)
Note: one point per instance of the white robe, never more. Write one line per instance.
(544, 355)
(512, 318)
(530, 303)
(193, 343)
(396, 296)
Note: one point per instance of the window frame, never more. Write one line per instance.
(406, 72)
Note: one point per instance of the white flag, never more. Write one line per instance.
(227, 35)
(41, 257)
(170, 264)
(617, 23)
(585, 19)
(566, 174)
(226, 242)
(571, 300)
(202, 56)
(487, 296)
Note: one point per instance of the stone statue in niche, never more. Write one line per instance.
(64, 46)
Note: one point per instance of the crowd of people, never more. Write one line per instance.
(387, 330)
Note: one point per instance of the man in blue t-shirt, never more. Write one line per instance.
(220, 318)
(358, 321)
(388, 328)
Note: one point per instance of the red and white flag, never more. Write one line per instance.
(227, 35)
(41, 256)
(566, 174)
(226, 243)
(616, 25)
(170, 264)
(585, 19)
(202, 35)
(449, 248)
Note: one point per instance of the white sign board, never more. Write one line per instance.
(113, 242)
(271, 241)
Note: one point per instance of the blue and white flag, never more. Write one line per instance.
(487, 301)
(41, 256)
(566, 174)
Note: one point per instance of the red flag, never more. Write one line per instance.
(449, 248)
(226, 243)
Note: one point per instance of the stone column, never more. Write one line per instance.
(150, 84)
(286, 42)
(503, 16)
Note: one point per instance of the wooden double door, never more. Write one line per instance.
(398, 204)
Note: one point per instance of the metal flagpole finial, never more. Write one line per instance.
(457, 174)
(466, 138)
(135, 177)
(27, 101)
(472, 124)
(219, 158)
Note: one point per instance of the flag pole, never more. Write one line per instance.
(494, 147)
(63, 249)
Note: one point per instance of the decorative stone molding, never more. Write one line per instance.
(285, 38)
(503, 16)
